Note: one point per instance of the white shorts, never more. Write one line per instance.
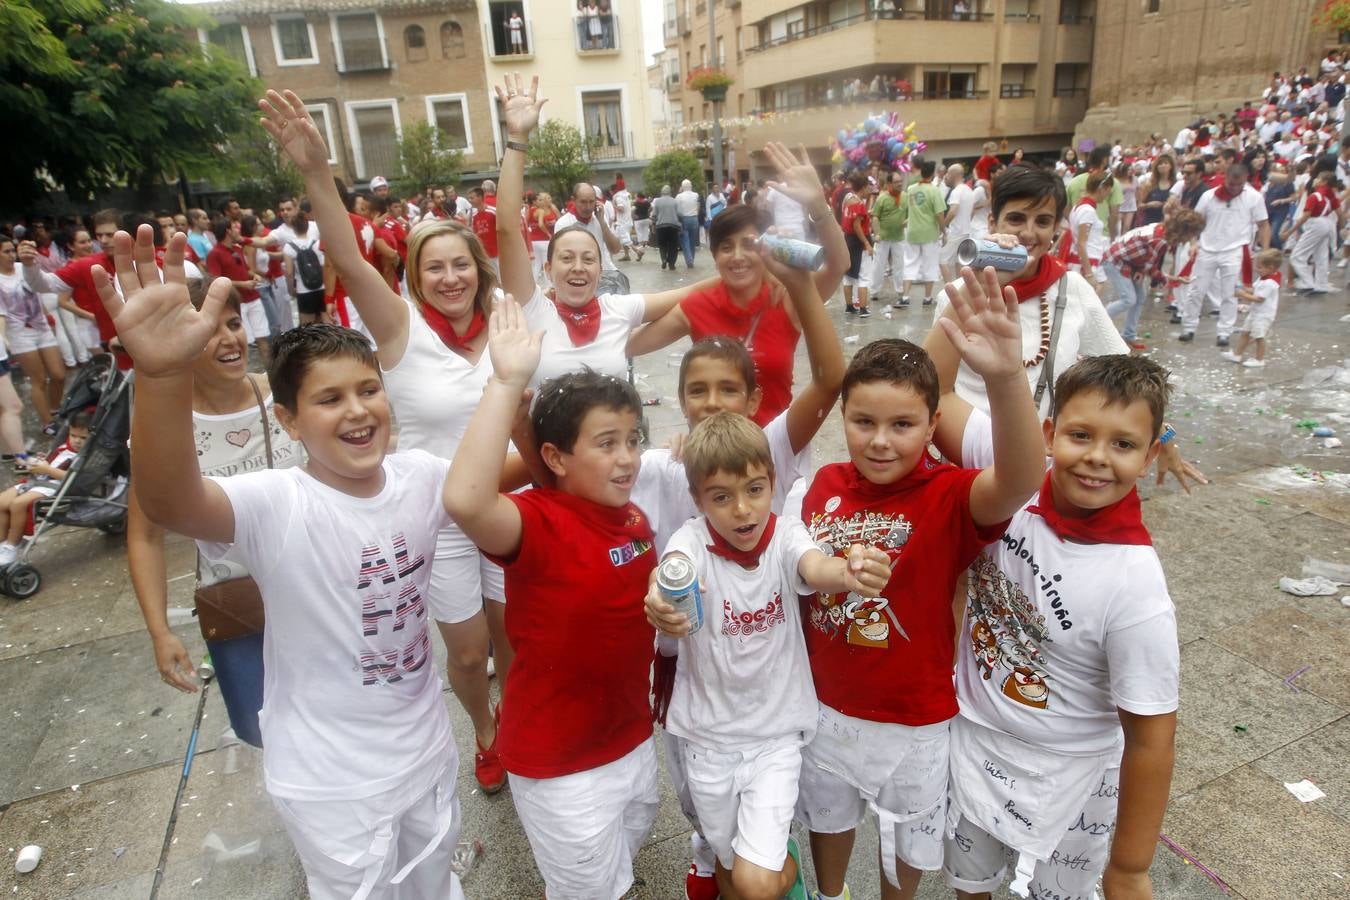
(255, 321)
(976, 861)
(461, 578)
(921, 262)
(745, 800)
(586, 828)
(397, 844)
(1257, 327)
(643, 229)
(897, 771)
(26, 339)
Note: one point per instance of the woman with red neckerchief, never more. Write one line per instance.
(432, 351)
(744, 303)
(1027, 208)
(581, 329)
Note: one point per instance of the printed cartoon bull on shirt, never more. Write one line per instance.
(867, 621)
(1006, 633)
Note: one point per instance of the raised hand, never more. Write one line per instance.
(520, 108)
(155, 322)
(867, 570)
(514, 349)
(292, 127)
(984, 327)
(1169, 460)
(798, 178)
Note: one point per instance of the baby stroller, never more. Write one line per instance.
(94, 492)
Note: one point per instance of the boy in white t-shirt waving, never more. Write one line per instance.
(743, 699)
(1067, 671)
(358, 754)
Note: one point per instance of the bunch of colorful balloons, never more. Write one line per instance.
(880, 139)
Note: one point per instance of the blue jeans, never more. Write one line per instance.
(688, 237)
(269, 302)
(239, 677)
(1131, 295)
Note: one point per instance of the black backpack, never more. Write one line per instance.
(307, 261)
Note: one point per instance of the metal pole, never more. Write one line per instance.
(717, 104)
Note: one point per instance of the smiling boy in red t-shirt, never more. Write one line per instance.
(883, 665)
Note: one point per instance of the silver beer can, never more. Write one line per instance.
(981, 253)
(794, 253)
(678, 583)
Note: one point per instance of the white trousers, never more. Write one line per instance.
(1312, 254)
(1215, 276)
(892, 254)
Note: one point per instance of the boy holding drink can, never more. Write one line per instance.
(743, 700)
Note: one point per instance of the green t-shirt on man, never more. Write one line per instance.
(889, 212)
(924, 205)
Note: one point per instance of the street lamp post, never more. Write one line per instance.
(716, 104)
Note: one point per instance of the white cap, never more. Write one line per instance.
(378, 182)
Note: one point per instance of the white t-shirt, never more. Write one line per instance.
(1232, 224)
(1183, 139)
(294, 244)
(1086, 330)
(1083, 214)
(979, 204)
(686, 203)
(619, 315)
(232, 444)
(662, 487)
(962, 198)
(352, 693)
(1058, 634)
(1268, 289)
(567, 219)
(623, 207)
(787, 213)
(743, 677)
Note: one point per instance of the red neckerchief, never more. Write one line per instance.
(1119, 523)
(1088, 201)
(583, 322)
(746, 559)
(1050, 271)
(859, 486)
(440, 324)
(1221, 193)
(626, 521)
(1273, 276)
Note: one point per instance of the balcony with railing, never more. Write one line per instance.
(362, 54)
(598, 34)
(609, 147)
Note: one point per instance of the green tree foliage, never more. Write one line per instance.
(671, 168)
(558, 157)
(108, 92)
(260, 172)
(426, 160)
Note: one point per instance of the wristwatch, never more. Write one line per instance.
(517, 145)
(1168, 433)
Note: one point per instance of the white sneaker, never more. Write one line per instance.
(1230, 356)
(1343, 263)
(7, 553)
(1255, 364)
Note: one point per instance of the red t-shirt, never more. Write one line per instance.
(538, 232)
(855, 212)
(275, 268)
(712, 312)
(577, 695)
(1321, 203)
(485, 226)
(229, 262)
(982, 166)
(890, 659)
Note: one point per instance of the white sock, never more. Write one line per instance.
(705, 860)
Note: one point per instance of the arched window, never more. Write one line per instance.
(452, 40)
(415, 42)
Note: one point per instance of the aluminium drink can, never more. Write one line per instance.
(678, 583)
(980, 253)
(794, 253)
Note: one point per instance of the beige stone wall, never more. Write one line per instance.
(1159, 71)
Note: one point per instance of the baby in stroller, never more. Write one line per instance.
(42, 481)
